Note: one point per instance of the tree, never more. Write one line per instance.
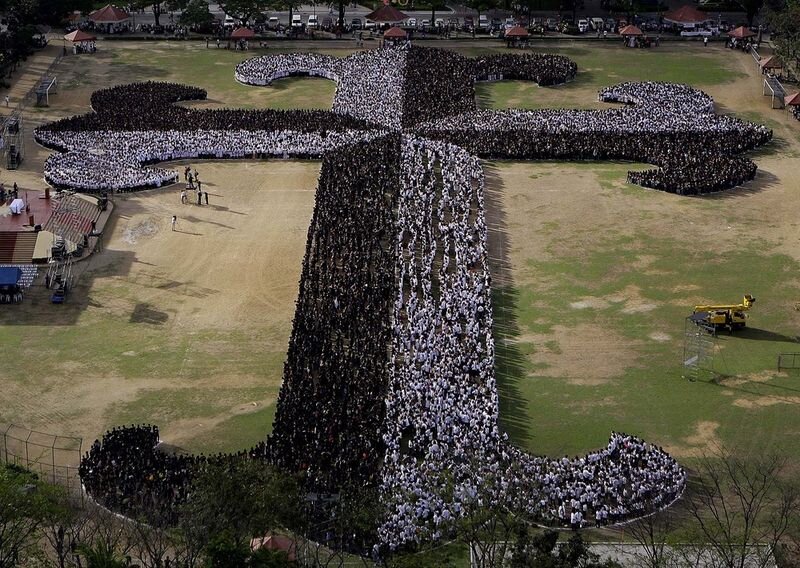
(266, 558)
(243, 9)
(742, 507)
(483, 6)
(196, 13)
(290, 5)
(67, 525)
(542, 551)
(785, 37)
(53, 12)
(652, 532)
(571, 6)
(25, 504)
(340, 6)
(224, 550)
(242, 499)
(751, 9)
(156, 7)
(102, 554)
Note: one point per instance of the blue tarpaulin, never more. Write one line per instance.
(10, 276)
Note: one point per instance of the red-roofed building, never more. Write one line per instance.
(686, 15)
(109, 15)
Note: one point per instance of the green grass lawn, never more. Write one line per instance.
(212, 69)
(604, 65)
(549, 415)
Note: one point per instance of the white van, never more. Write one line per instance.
(228, 22)
(483, 22)
(597, 24)
(313, 22)
(583, 26)
(297, 21)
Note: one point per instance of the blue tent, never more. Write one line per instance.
(10, 276)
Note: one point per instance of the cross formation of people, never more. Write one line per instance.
(390, 373)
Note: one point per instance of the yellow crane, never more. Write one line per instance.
(730, 316)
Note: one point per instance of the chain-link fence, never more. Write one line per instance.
(54, 458)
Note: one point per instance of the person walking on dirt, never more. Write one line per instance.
(183, 197)
(174, 222)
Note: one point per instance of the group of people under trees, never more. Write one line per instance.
(389, 380)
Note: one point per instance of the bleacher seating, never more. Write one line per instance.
(72, 217)
(17, 247)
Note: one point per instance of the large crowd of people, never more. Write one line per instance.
(664, 124)
(107, 149)
(389, 379)
(543, 69)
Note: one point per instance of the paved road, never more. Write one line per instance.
(591, 9)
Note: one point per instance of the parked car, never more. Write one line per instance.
(313, 22)
(551, 24)
(510, 23)
(327, 23)
(228, 22)
(273, 22)
(297, 21)
(369, 25)
(583, 26)
(411, 23)
(469, 23)
(439, 22)
(356, 23)
(483, 23)
(597, 24)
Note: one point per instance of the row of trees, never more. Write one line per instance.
(737, 512)
(784, 20)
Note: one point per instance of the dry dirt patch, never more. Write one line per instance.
(704, 440)
(587, 354)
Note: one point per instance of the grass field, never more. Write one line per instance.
(594, 278)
